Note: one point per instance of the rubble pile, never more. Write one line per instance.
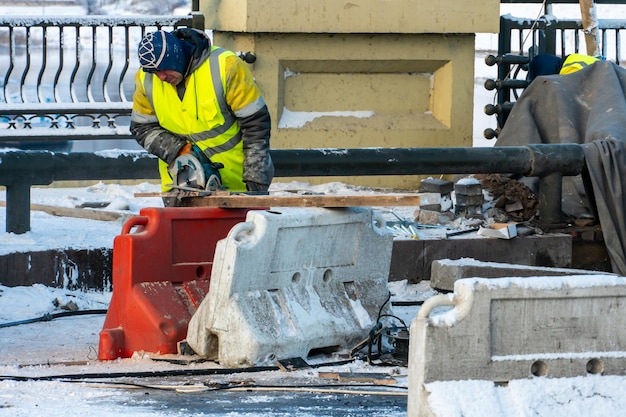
(474, 202)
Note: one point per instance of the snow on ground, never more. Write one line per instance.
(74, 339)
(69, 346)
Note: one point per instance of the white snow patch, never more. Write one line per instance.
(296, 119)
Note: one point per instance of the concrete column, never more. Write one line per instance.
(364, 73)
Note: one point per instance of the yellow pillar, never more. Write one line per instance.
(356, 74)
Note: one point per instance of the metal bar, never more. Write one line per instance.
(20, 170)
(551, 187)
(44, 62)
(94, 63)
(18, 197)
(504, 48)
(124, 70)
(57, 75)
(532, 160)
(76, 66)
(618, 47)
(11, 63)
(107, 71)
(26, 66)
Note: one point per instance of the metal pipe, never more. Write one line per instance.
(532, 160)
(19, 170)
(549, 205)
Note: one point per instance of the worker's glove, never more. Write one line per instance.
(186, 149)
(257, 188)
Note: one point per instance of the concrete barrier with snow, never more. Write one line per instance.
(291, 282)
(505, 329)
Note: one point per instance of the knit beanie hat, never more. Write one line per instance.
(161, 50)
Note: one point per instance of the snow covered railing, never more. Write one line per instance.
(72, 78)
(19, 170)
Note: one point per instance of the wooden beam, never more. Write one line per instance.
(80, 213)
(191, 199)
(247, 201)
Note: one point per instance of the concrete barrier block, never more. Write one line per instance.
(291, 282)
(512, 328)
(445, 272)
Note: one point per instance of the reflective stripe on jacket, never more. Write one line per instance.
(202, 117)
(576, 62)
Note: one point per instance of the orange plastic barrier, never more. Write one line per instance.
(161, 270)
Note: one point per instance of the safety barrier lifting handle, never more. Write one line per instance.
(135, 221)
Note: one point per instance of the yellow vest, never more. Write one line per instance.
(202, 116)
(576, 62)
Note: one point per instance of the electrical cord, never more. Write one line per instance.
(52, 316)
(375, 337)
(390, 390)
(167, 373)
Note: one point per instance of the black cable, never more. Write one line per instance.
(150, 374)
(407, 303)
(395, 317)
(375, 334)
(49, 316)
(230, 386)
(380, 311)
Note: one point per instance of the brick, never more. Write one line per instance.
(432, 217)
(469, 211)
(468, 188)
(469, 200)
(436, 185)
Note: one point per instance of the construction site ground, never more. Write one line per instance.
(47, 361)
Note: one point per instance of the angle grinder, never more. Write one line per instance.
(188, 173)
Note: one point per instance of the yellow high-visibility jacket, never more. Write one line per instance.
(576, 62)
(218, 93)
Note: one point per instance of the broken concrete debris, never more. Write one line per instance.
(511, 199)
(493, 204)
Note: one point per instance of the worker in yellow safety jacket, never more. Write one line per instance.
(576, 62)
(548, 64)
(192, 97)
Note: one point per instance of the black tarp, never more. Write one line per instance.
(587, 107)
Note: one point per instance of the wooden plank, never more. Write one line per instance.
(251, 201)
(80, 213)
(377, 378)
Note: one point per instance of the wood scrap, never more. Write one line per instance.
(76, 212)
(377, 378)
(291, 364)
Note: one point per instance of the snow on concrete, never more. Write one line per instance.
(593, 395)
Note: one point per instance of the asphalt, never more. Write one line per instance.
(65, 350)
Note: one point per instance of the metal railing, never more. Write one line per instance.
(72, 78)
(19, 170)
(521, 39)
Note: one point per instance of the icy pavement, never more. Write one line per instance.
(50, 368)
